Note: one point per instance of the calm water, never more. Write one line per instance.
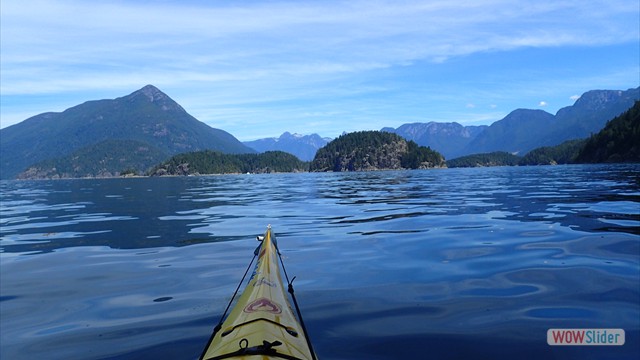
(442, 264)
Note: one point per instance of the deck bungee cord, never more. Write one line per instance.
(217, 328)
(295, 303)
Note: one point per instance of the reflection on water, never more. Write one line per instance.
(458, 263)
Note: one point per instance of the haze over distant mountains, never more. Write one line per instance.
(135, 132)
(304, 147)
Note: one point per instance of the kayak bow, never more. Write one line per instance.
(262, 325)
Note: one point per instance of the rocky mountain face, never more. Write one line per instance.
(146, 116)
(524, 130)
(304, 147)
(447, 138)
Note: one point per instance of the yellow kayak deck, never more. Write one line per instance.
(262, 324)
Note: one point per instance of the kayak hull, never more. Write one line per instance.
(262, 324)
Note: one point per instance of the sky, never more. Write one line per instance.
(259, 68)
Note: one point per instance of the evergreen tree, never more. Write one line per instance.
(212, 162)
(498, 158)
(564, 153)
(374, 150)
(619, 141)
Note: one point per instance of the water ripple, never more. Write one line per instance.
(465, 262)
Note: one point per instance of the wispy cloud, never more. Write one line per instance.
(276, 39)
(229, 53)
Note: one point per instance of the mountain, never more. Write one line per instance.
(524, 130)
(619, 141)
(591, 112)
(374, 150)
(105, 159)
(304, 147)
(517, 133)
(448, 138)
(146, 116)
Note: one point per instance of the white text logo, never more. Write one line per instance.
(585, 337)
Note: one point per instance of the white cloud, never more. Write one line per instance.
(241, 61)
(542, 103)
(69, 37)
(574, 97)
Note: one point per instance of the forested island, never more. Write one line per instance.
(374, 150)
(359, 151)
(564, 153)
(618, 141)
(497, 158)
(214, 162)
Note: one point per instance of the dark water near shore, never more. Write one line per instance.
(442, 264)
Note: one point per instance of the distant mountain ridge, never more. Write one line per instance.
(524, 130)
(591, 112)
(147, 116)
(516, 133)
(617, 142)
(304, 147)
(447, 138)
(105, 137)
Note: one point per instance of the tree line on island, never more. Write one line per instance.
(214, 162)
(618, 141)
(374, 150)
(358, 151)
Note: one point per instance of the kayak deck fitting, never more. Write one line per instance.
(262, 324)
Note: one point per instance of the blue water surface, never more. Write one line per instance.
(434, 264)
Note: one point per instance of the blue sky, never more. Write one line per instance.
(259, 68)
